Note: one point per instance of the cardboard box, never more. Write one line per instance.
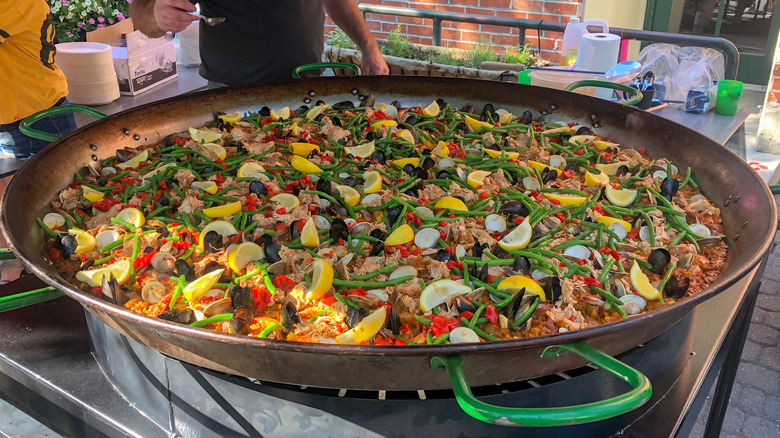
(141, 63)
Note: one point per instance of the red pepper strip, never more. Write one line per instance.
(587, 280)
(144, 260)
(491, 314)
(442, 325)
(262, 298)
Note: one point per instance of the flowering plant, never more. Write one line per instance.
(73, 18)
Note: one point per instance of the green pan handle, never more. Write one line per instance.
(296, 73)
(6, 254)
(636, 94)
(553, 416)
(28, 298)
(25, 128)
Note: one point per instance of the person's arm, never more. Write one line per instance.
(155, 17)
(347, 16)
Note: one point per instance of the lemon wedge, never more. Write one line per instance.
(373, 182)
(321, 280)
(309, 236)
(303, 165)
(91, 195)
(620, 197)
(85, 241)
(441, 291)
(504, 118)
(401, 235)
(295, 130)
(303, 149)
(283, 114)
(609, 169)
(204, 136)
(193, 291)
(287, 200)
(157, 171)
(363, 151)
(217, 149)
(566, 199)
(135, 161)
(205, 186)
(232, 117)
(250, 169)
(595, 180)
(476, 124)
(495, 154)
(642, 284)
(228, 209)
(223, 228)
(313, 112)
(515, 283)
(518, 238)
(432, 110)
(406, 135)
(132, 216)
(348, 194)
(94, 277)
(243, 254)
(414, 161)
(607, 221)
(384, 124)
(541, 166)
(451, 203)
(441, 149)
(476, 178)
(582, 138)
(366, 329)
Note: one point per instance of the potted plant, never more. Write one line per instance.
(72, 19)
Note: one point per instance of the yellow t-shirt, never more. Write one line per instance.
(29, 80)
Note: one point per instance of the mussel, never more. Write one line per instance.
(349, 181)
(464, 305)
(669, 186)
(427, 164)
(301, 110)
(272, 252)
(394, 321)
(69, 245)
(295, 233)
(125, 154)
(676, 288)
(488, 114)
(212, 241)
(183, 268)
(338, 230)
(378, 156)
(409, 169)
(265, 111)
(513, 207)
(552, 288)
(242, 297)
(444, 256)
(526, 117)
(584, 130)
(467, 108)
(477, 249)
(114, 291)
(622, 170)
(211, 266)
(421, 173)
(324, 186)
(289, 317)
(238, 326)
(377, 249)
(393, 215)
(344, 105)
(522, 307)
(522, 265)
(410, 120)
(368, 101)
(182, 315)
(443, 174)
(481, 273)
(659, 258)
(549, 175)
(354, 316)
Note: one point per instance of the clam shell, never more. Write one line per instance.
(700, 230)
(558, 162)
(103, 238)
(578, 252)
(460, 252)
(619, 229)
(163, 262)
(153, 292)
(360, 228)
(538, 275)
(633, 304)
(495, 223)
(446, 163)
(371, 199)
(424, 211)
(320, 222)
(218, 307)
(277, 268)
(403, 271)
(427, 237)
(378, 294)
(531, 183)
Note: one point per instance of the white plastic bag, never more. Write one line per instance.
(683, 74)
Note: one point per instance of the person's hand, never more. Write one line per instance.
(172, 15)
(373, 63)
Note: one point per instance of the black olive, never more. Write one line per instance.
(444, 256)
(366, 165)
(183, 268)
(526, 117)
(409, 169)
(301, 110)
(428, 163)
(163, 232)
(584, 130)
(443, 174)
(412, 192)
(549, 175)
(272, 252)
(258, 188)
(622, 170)
(393, 215)
(207, 169)
(394, 321)
(238, 326)
(336, 122)
(289, 317)
(659, 258)
(670, 186)
(396, 104)
(477, 249)
(467, 108)
(295, 233)
(464, 305)
(441, 102)
(371, 135)
(344, 105)
(338, 230)
(552, 288)
(378, 156)
(355, 315)
(377, 249)
(349, 181)
(324, 186)
(377, 234)
(514, 207)
(411, 120)
(522, 265)
(163, 202)
(212, 266)
(242, 297)
(265, 111)
(180, 315)
(421, 173)
(69, 246)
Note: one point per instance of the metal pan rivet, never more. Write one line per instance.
(597, 125)
(593, 117)
(136, 137)
(312, 93)
(553, 106)
(354, 91)
(307, 100)
(94, 157)
(736, 237)
(745, 224)
(93, 147)
(726, 204)
(125, 131)
(545, 112)
(737, 198)
(361, 97)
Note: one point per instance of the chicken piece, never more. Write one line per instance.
(71, 199)
(184, 177)
(103, 218)
(190, 204)
(438, 270)
(258, 146)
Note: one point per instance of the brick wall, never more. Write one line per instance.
(774, 82)
(464, 35)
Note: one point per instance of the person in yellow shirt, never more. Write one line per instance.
(29, 79)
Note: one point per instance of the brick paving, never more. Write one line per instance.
(754, 407)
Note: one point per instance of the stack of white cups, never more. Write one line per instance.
(89, 69)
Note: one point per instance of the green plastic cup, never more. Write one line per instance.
(729, 93)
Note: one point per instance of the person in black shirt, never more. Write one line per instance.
(260, 40)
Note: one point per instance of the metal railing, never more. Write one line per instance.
(722, 45)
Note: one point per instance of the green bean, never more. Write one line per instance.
(268, 283)
(212, 319)
(371, 284)
(267, 331)
(667, 276)
(127, 225)
(383, 270)
(424, 321)
(46, 229)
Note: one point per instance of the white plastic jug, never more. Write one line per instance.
(572, 36)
